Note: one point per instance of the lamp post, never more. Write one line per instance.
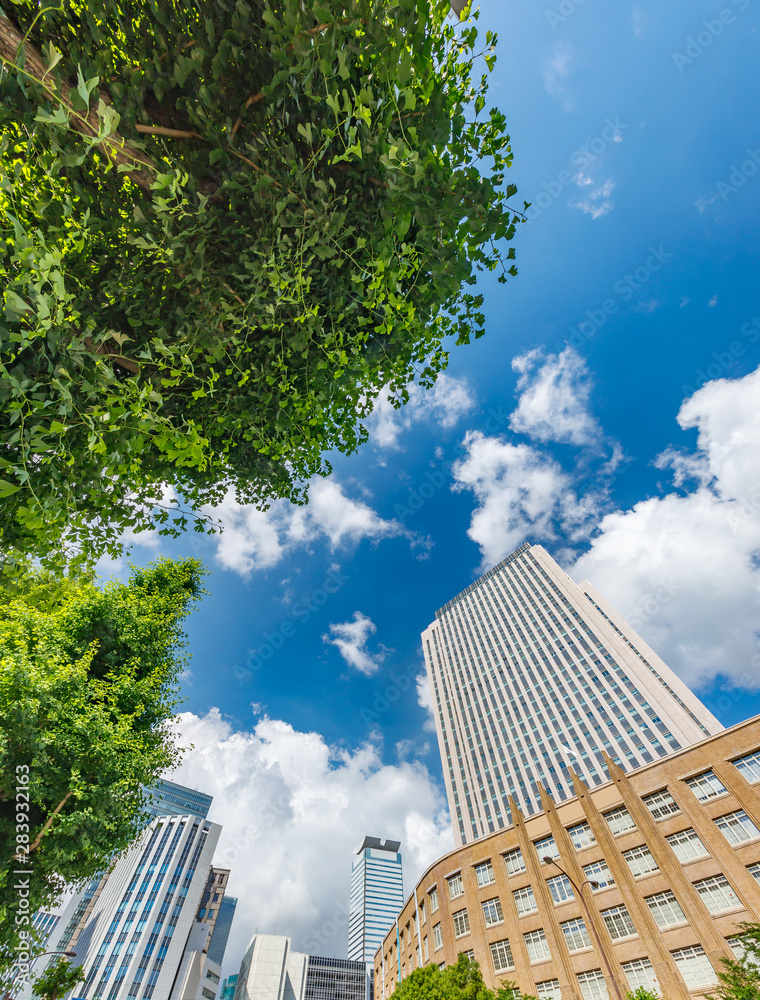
(594, 885)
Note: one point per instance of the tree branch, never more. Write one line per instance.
(115, 147)
(46, 827)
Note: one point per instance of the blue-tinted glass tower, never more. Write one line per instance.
(377, 895)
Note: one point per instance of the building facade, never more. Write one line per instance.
(166, 798)
(228, 988)
(218, 944)
(377, 894)
(136, 931)
(271, 970)
(642, 881)
(532, 675)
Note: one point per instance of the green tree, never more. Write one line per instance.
(225, 227)
(740, 978)
(462, 981)
(640, 993)
(88, 688)
(57, 980)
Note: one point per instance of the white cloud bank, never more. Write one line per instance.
(293, 810)
(685, 567)
(351, 638)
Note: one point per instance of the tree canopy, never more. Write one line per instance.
(462, 981)
(88, 686)
(740, 978)
(225, 227)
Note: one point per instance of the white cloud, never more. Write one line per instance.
(557, 68)
(713, 302)
(293, 811)
(597, 203)
(554, 398)
(683, 568)
(520, 491)
(425, 700)
(253, 539)
(351, 638)
(446, 403)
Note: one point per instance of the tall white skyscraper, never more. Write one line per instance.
(377, 895)
(532, 673)
(138, 933)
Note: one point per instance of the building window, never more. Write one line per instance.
(619, 821)
(640, 861)
(581, 835)
(754, 871)
(212, 976)
(561, 888)
(537, 946)
(455, 887)
(425, 948)
(548, 990)
(470, 953)
(208, 994)
(687, 846)
(706, 786)
(593, 986)
(717, 894)
(737, 827)
(492, 912)
(618, 922)
(749, 766)
(484, 873)
(433, 895)
(737, 946)
(501, 956)
(576, 934)
(422, 911)
(525, 901)
(441, 966)
(438, 937)
(640, 975)
(599, 872)
(514, 861)
(694, 967)
(661, 804)
(665, 910)
(461, 923)
(546, 847)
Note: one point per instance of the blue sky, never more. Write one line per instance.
(635, 134)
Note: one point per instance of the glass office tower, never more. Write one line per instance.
(377, 895)
(533, 674)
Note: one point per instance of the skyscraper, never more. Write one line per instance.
(532, 673)
(377, 895)
(140, 933)
(167, 798)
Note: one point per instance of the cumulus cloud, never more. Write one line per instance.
(293, 810)
(553, 403)
(253, 539)
(446, 403)
(351, 638)
(520, 491)
(684, 567)
(425, 700)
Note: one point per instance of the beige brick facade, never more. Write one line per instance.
(712, 885)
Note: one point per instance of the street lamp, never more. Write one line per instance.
(594, 885)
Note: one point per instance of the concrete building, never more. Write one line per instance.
(271, 970)
(641, 881)
(532, 674)
(137, 931)
(218, 944)
(377, 894)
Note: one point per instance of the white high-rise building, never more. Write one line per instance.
(532, 673)
(377, 895)
(137, 934)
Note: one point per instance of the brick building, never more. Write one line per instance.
(648, 877)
